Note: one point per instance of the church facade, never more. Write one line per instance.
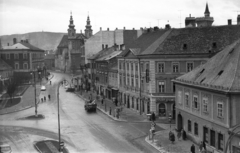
(71, 51)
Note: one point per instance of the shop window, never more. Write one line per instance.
(189, 67)
(189, 126)
(212, 138)
(220, 141)
(195, 128)
(162, 110)
(205, 134)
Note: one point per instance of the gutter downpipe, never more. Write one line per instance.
(140, 92)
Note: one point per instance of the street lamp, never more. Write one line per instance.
(33, 74)
(170, 119)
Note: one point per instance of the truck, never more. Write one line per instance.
(90, 105)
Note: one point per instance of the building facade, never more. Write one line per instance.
(207, 101)
(24, 58)
(6, 74)
(71, 51)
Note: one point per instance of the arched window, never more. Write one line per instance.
(162, 109)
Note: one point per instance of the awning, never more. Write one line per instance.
(114, 89)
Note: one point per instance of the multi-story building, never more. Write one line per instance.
(207, 101)
(165, 55)
(49, 61)
(71, 53)
(6, 73)
(24, 58)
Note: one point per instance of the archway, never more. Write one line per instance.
(173, 112)
(179, 122)
(162, 110)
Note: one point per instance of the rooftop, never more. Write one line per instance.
(221, 72)
(21, 45)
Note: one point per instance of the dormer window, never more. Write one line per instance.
(214, 45)
(184, 46)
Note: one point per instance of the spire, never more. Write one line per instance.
(207, 13)
(88, 30)
(71, 25)
(71, 29)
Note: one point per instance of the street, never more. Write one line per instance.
(81, 131)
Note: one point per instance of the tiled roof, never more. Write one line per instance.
(221, 72)
(109, 56)
(102, 53)
(22, 45)
(4, 66)
(64, 42)
(199, 40)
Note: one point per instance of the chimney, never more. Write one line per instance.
(100, 28)
(133, 28)
(107, 29)
(229, 21)
(102, 46)
(190, 15)
(116, 28)
(14, 41)
(238, 19)
(123, 28)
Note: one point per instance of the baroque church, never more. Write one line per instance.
(71, 51)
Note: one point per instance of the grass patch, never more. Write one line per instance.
(12, 102)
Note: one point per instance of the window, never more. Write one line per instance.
(120, 80)
(187, 99)
(160, 67)
(147, 66)
(161, 86)
(195, 102)
(120, 66)
(136, 82)
(189, 67)
(25, 66)
(124, 80)
(141, 67)
(212, 138)
(128, 83)
(7, 56)
(131, 66)
(205, 134)
(220, 141)
(189, 126)
(136, 67)
(195, 128)
(132, 81)
(179, 97)
(162, 109)
(124, 66)
(127, 66)
(220, 109)
(175, 67)
(16, 66)
(16, 56)
(214, 45)
(184, 46)
(24, 55)
(205, 104)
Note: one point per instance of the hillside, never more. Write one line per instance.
(42, 40)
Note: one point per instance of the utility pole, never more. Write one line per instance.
(59, 132)
(35, 94)
(180, 18)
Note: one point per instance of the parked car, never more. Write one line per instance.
(5, 148)
(70, 89)
(90, 105)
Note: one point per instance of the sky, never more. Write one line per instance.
(23, 16)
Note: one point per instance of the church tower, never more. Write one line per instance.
(88, 30)
(71, 29)
(205, 21)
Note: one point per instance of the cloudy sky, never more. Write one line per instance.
(23, 16)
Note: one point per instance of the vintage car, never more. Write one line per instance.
(90, 105)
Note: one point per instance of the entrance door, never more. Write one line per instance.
(180, 122)
(161, 110)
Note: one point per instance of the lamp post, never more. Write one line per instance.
(33, 74)
(170, 119)
(59, 132)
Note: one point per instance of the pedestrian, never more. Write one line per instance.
(192, 148)
(44, 98)
(179, 135)
(49, 97)
(201, 146)
(204, 145)
(153, 117)
(50, 82)
(184, 135)
(102, 101)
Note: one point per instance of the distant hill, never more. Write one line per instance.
(42, 40)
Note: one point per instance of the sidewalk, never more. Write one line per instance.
(161, 139)
(27, 99)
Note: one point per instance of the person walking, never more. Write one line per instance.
(204, 145)
(102, 101)
(179, 135)
(153, 117)
(49, 97)
(44, 98)
(192, 148)
(201, 146)
(184, 135)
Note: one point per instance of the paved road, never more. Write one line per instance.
(81, 131)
